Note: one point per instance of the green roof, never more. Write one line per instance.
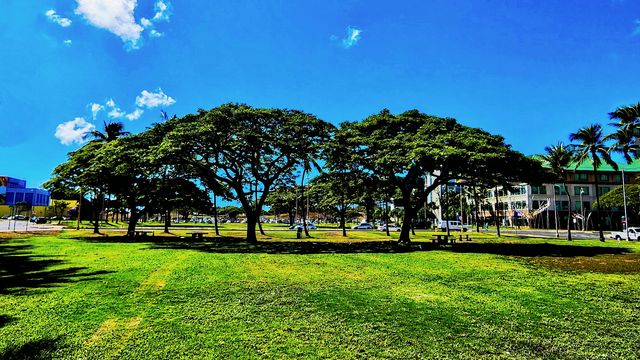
(587, 165)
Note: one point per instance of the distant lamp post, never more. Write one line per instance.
(582, 207)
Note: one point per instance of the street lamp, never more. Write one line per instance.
(582, 206)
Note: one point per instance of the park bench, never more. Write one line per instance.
(144, 232)
(467, 238)
(197, 234)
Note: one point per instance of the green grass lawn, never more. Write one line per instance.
(73, 295)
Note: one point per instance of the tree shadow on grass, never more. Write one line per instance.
(237, 245)
(6, 320)
(21, 270)
(38, 349)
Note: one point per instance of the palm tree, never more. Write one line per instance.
(559, 157)
(112, 131)
(627, 116)
(307, 165)
(625, 142)
(628, 124)
(591, 144)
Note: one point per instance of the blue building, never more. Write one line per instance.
(14, 190)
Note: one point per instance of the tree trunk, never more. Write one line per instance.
(304, 211)
(598, 219)
(386, 215)
(476, 205)
(252, 220)
(133, 221)
(259, 211)
(497, 213)
(215, 214)
(343, 223)
(96, 217)
(405, 238)
(167, 220)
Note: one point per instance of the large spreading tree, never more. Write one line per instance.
(404, 148)
(248, 149)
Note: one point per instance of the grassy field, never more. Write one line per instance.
(72, 295)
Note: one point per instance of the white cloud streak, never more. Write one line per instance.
(54, 17)
(352, 38)
(135, 115)
(154, 99)
(163, 10)
(95, 109)
(115, 16)
(73, 131)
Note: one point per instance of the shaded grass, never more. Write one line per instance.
(167, 297)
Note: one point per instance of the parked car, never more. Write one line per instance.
(38, 220)
(310, 226)
(453, 225)
(392, 227)
(4, 217)
(362, 226)
(634, 234)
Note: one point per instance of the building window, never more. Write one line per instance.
(560, 189)
(603, 190)
(538, 190)
(562, 205)
(603, 177)
(578, 189)
(580, 177)
(617, 178)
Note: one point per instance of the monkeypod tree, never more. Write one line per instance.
(248, 149)
(404, 148)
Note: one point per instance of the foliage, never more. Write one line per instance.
(402, 148)
(247, 149)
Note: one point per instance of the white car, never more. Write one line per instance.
(310, 226)
(392, 227)
(362, 226)
(634, 234)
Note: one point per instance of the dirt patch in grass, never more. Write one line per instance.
(28, 234)
(608, 264)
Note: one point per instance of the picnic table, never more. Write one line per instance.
(144, 232)
(442, 238)
(197, 234)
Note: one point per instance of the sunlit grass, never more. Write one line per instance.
(80, 295)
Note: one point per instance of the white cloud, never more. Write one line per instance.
(73, 131)
(145, 22)
(54, 17)
(95, 109)
(163, 10)
(154, 99)
(156, 34)
(352, 38)
(111, 103)
(135, 115)
(116, 113)
(115, 16)
(68, 42)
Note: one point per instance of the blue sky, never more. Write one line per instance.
(531, 71)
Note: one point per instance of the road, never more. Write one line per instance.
(23, 225)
